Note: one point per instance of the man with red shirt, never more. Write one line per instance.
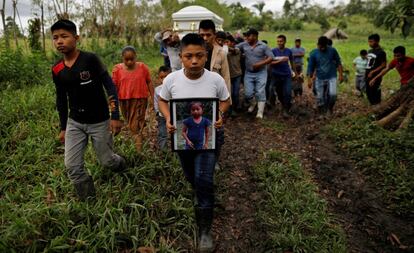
(402, 63)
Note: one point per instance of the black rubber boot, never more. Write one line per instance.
(204, 217)
(85, 189)
(122, 166)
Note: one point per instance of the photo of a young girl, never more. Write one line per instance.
(196, 128)
(194, 120)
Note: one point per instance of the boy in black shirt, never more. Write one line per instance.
(377, 61)
(80, 79)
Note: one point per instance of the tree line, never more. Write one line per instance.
(136, 22)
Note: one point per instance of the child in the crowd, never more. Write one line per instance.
(133, 82)
(234, 57)
(221, 39)
(81, 81)
(162, 137)
(360, 65)
(196, 128)
(298, 55)
(194, 81)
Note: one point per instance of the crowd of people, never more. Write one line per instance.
(207, 64)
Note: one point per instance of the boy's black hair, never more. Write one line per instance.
(265, 41)
(281, 36)
(192, 39)
(207, 24)
(363, 52)
(221, 35)
(64, 24)
(323, 41)
(128, 49)
(298, 40)
(164, 69)
(399, 50)
(374, 37)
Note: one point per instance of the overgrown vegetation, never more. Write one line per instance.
(385, 157)
(294, 216)
(19, 69)
(149, 205)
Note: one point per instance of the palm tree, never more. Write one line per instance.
(259, 6)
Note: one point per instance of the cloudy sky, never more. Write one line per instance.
(26, 10)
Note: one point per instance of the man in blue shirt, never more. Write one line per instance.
(282, 74)
(257, 55)
(324, 61)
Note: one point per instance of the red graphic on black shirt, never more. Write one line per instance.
(84, 75)
(58, 67)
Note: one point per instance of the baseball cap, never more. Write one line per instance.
(166, 35)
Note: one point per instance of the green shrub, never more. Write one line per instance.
(18, 69)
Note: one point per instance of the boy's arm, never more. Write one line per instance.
(223, 107)
(109, 86)
(165, 110)
(62, 108)
(381, 74)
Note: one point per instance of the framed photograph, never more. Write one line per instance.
(194, 119)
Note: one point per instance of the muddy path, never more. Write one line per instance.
(235, 227)
(355, 204)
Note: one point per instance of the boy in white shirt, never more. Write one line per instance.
(196, 82)
(360, 65)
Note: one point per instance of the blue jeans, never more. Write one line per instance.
(198, 167)
(255, 84)
(235, 90)
(162, 137)
(326, 92)
(282, 85)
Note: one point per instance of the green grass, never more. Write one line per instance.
(385, 157)
(293, 214)
(149, 205)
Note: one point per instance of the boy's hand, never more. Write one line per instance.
(341, 78)
(189, 143)
(372, 82)
(205, 146)
(219, 123)
(170, 128)
(62, 136)
(116, 126)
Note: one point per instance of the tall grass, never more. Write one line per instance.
(149, 205)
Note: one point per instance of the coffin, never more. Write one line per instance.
(187, 19)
